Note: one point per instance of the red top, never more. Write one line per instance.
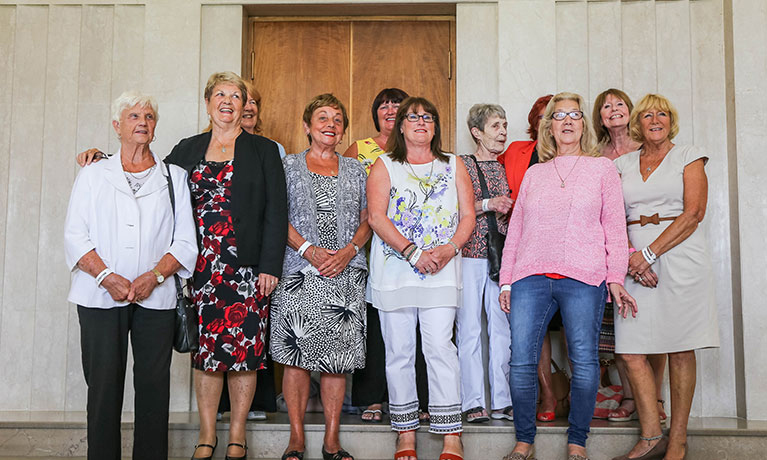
(516, 159)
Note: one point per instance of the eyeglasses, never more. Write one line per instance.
(574, 115)
(427, 117)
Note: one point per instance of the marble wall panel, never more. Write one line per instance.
(7, 36)
(476, 28)
(605, 38)
(127, 55)
(526, 67)
(172, 67)
(572, 48)
(750, 68)
(718, 369)
(220, 47)
(638, 48)
(59, 134)
(674, 61)
(24, 182)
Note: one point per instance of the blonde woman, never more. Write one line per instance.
(670, 273)
(552, 262)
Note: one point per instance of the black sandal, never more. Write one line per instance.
(212, 449)
(293, 454)
(242, 446)
(340, 455)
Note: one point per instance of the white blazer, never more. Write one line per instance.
(131, 233)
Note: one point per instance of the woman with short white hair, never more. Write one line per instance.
(492, 204)
(123, 240)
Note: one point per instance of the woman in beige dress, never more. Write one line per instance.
(670, 275)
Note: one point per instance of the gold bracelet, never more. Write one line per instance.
(313, 249)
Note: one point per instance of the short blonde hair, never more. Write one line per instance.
(652, 102)
(225, 77)
(132, 98)
(547, 146)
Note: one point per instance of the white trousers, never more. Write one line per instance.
(477, 286)
(398, 329)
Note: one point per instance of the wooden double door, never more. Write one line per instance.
(293, 60)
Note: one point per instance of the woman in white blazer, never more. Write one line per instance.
(123, 241)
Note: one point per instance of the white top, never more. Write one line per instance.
(131, 233)
(425, 211)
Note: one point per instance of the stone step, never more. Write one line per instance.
(47, 435)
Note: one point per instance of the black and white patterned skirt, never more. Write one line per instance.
(318, 323)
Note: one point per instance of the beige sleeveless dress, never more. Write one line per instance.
(680, 313)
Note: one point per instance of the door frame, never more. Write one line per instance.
(358, 13)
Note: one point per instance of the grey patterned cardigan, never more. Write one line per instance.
(302, 206)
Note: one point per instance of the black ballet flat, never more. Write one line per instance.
(212, 449)
(243, 446)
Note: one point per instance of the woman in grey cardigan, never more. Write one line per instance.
(318, 310)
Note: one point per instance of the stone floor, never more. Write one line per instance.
(49, 435)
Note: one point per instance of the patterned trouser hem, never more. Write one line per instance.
(404, 417)
(445, 419)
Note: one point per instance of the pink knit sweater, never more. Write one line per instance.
(578, 231)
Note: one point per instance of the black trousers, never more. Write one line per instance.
(104, 343)
(369, 384)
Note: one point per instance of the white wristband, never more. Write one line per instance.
(485, 202)
(415, 256)
(303, 248)
(648, 255)
(104, 273)
(506, 288)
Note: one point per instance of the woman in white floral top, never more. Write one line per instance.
(421, 207)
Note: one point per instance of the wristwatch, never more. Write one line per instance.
(158, 275)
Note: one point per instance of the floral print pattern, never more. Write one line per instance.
(497, 185)
(417, 211)
(232, 312)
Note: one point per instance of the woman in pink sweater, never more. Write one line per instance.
(566, 246)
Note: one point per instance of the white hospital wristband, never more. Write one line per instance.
(485, 204)
(104, 273)
(303, 248)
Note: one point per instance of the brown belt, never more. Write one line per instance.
(654, 219)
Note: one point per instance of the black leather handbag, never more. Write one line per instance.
(495, 239)
(186, 338)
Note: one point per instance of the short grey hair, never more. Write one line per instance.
(131, 98)
(478, 115)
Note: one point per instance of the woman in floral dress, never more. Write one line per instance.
(240, 207)
(422, 212)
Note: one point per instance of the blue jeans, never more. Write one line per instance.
(534, 300)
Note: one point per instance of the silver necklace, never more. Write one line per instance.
(139, 177)
(562, 181)
(223, 145)
(425, 182)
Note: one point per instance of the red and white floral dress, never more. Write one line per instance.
(232, 312)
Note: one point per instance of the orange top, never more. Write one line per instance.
(516, 160)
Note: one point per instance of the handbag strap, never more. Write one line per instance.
(179, 291)
(491, 223)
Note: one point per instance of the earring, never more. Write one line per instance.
(154, 138)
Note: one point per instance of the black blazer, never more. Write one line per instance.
(259, 197)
